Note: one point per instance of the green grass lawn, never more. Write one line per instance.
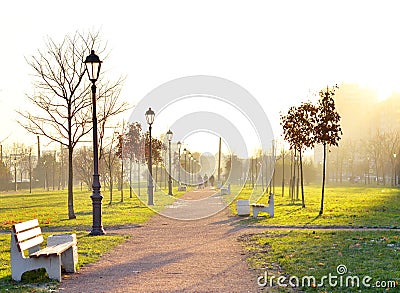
(317, 253)
(50, 208)
(291, 254)
(343, 206)
(283, 252)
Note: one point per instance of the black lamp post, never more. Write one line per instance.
(150, 119)
(169, 137)
(193, 161)
(93, 65)
(395, 175)
(179, 160)
(185, 153)
(191, 169)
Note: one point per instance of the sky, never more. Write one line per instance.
(280, 51)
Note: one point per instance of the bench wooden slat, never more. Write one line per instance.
(25, 225)
(258, 205)
(30, 243)
(25, 235)
(56, 249)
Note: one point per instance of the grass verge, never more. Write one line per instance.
(346, 256)
(50, 208)
(356, 206)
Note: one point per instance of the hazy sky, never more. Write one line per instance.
(277, 50)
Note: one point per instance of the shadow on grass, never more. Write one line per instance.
(289, 204)
(313, 220)
(294, 211)
(31, 281)
(85, 213)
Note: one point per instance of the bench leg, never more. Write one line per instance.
(53, 266)
(70, 259)
(16, 274)
(255, 212)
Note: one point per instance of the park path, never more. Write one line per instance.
(170, 255)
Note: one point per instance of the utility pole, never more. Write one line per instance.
(30, 170)
(61, 186)
(122, 161)
(38, 148)
(15, 172)
(273, 174)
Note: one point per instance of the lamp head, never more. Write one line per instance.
(93, 65)
(150, 116)
(169, 135)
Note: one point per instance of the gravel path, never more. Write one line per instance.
(169, 255)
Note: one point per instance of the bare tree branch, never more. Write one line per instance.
(64, 96)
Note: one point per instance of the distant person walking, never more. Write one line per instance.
(205, 180)
(200, 182)
(212, 179)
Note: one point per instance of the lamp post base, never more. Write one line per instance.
(97, 228)
(97, 232)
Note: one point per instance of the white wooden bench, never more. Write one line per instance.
(258, 208)
(61, 250)
(226, 190)
(182, 187)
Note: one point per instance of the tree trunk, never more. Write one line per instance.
(111, 185)
(71, 213)
(302, 181)
(130, 178)
(283, 172)
(291, 173)
(294, 176)
(122, 180)
(138, 179)
(298, 181)
(321, 211)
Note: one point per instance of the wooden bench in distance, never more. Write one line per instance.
(226, 190)
(258, 208)
(61, 250)
(182, 187)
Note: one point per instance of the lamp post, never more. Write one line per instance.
(192, 160)
(169, 137)
(179, 160)
(185, 153)
(93, 65)
(150, 119)
(190, 168)
(193, 170)
(395, 175)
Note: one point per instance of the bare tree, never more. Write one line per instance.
(62, 95)
(131, 147)
(110, 159)
(83, 167)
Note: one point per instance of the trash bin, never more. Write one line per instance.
(243, 207)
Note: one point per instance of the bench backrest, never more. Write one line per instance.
(27, 234)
